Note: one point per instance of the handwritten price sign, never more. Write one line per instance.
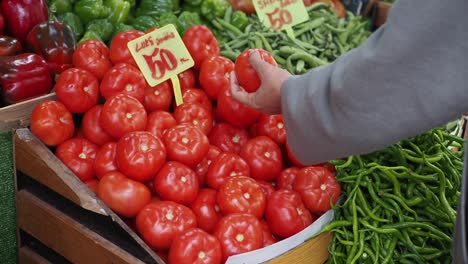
(281, 14)
(161, 55)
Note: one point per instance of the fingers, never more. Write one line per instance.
(258, 63)
(239, 94)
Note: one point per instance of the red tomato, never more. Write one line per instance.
(225, 166)
(286, 214)
(268, 237)
(317, 187)
(119, 51)
(176, 182)
(264, 158)
(77, 89)
(124, 196)
(202, 168)
(193, 95)
(228, 138)
(91, 127)
(239, 233)
(214, 75)
(328, 166)
(244, 5)
(206, 209)
(286, 178)
(124, 78)
(267, 188)
(140, 155)
(105, 159)
(241, 195)
(201, 43)
(159, 121)
(78, 155)
(187, 79)
(93, 185)
(93, 56)
(159, 97)
(272, 126)
(196, 115)
(234, 112)
(246, 74)
(52, 123)
(195, 246)
(160, 222)
(186, 144)
(122, 114)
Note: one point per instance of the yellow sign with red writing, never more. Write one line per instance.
(161, 55)
(281, 14)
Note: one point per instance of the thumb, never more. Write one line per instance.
(259, 64)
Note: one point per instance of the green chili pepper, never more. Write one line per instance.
(211, 9)
(144, 23)
(59, 7)
(170, 18)
(188, 19)
(74, 22)
(119, 10)
(103, 27)
(89, 10)
(154, 8)
(239, 19)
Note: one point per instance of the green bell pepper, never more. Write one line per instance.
(188, 19)
(170, 18)
(144, 23)
(90, 35)
(103, 27)
(121, 28)
(193, 3)
(154, 7)
(119, 10)
(59, 7)
(74, 22)
(212, 9)
(89, 10)
(239, 19)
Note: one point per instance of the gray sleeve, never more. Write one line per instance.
(410, 76)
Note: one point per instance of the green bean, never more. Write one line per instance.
(300, 66)
(227, 14)
(401, 202)
(230, 54)
(391, 250)
(427, 226)
(228, 26)
(361, 249)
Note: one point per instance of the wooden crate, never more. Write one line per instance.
(57, 210)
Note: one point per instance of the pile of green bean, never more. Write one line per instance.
(399, 204)
(318, 41)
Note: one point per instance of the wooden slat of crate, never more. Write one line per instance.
(380, 13)
(28, 256)
(65, 235)
(18, 115)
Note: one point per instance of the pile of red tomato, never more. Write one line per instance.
(199, 182)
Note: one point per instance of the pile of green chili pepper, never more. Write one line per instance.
(318, 41)
(399, 204)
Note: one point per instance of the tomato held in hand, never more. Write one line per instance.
(241, 195)
(140, 155)
(195, 246)
(228, 138)
(122, 114)
(193, 95)
(202, 168)
(160, 222)
(214, 75)
(264, 158)
(159, 121)
(119, 51)
(318, 188)
(187, 79)
(176, 182)
(124, 78)
(92, 55)
(194, 114)
(246, 74)
(77, 89)
(225, 166)
(91, 127)
(105, 159)
(159, 97)
(236, 113)
(52, 123)
(78, 155)
(186, 144)
(201, 43)
(268, 237)
(286, 214)
(206, 208)
(272, 126)
(124, 196)
(286, 178)
(239, 233)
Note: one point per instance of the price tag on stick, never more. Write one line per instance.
(281, 14)
(161, 55)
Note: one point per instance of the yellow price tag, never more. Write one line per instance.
(161, 55)
(281, 14)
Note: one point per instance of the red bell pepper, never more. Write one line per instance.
(9, 46)
(22, 15)
(55, 42)
(24, 76)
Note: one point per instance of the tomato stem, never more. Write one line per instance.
(239, 237)
(201, 255)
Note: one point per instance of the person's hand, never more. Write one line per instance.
(268, 96)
